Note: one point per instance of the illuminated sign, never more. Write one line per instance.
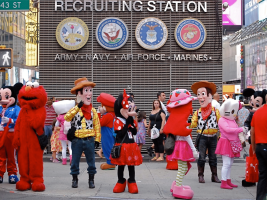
(139, 6)
(6, 58)
(232, 13)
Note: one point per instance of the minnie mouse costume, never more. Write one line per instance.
(130, 155)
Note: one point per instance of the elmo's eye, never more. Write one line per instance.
(35, 85)
(29, 83)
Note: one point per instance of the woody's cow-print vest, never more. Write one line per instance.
(77, 121)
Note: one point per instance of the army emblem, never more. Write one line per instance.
(72, 33)
(190, 34)
(112, 33)
(151, 33)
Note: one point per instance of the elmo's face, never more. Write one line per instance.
(32, 95)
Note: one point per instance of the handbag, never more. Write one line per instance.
(252, 171)
(43, 140)
(116, 149)
(154, 132)
(71, 133)
(169, 144)
(236, 146)
(199, 135)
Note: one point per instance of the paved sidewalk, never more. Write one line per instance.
(152, 178)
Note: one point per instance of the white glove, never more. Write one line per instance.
(195, 154)
(241, 137)
(1, 128)
(245, 129)
(57, 124)
(6, 120)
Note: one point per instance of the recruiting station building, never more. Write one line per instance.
(141, 46)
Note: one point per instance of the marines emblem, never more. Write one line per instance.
(112, 33)
(151, 33)
(190, 34)
(72, 33)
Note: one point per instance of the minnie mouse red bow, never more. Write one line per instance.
(124, 102)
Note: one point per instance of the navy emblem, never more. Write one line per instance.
(72, 33)
(112, 33)
(151, 33)
(190, 34)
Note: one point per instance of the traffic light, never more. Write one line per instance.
(6, 57)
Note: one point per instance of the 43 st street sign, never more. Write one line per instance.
(14, 5)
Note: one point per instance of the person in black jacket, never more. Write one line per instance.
(256, 101)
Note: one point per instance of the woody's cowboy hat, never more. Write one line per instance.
(205, 84)
(80, 83)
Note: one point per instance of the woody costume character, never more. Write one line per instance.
(130, 155)
(208, 140)
(86, 127)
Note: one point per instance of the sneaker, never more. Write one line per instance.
(56, 161)
(45, 151)
(13, 179)
(51, 159)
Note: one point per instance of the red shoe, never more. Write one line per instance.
(231, 184)
(23, 185)
(38, 187)
(132, 188)
(119, 187)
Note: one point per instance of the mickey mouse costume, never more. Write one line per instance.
(256, 101)
(130, 155)
(9, 114)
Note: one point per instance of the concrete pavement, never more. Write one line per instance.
(152, 178)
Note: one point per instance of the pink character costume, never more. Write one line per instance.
(180, 107)
(229, 145)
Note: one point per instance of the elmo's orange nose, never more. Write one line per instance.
(28, 88)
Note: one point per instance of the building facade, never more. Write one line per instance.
(137, 66)
(18, 30)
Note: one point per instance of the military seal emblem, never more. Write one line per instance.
(151, 33)
(72, 33)
(190, 34)
(112, 33)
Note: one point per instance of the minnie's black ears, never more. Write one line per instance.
(248, 92)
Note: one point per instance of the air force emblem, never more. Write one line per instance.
(151, 33)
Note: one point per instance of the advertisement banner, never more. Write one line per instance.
(251, 11)
(232, 14)
(263, 10)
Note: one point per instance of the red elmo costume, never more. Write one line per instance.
(30, 155)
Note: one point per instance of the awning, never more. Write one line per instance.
(255, 29)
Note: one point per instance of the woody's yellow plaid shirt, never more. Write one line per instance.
(82, 133)
(194, 122)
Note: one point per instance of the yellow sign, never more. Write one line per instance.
(72, 33)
